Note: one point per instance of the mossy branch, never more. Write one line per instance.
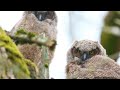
(47, 45)
(39, 41)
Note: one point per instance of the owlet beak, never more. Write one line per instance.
(84, 56)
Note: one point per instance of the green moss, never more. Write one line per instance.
(22, 31)
(7, 42)
(33, 69)
(46, 65)
(30, 35)
(18, 65)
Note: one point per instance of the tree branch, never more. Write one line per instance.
(39, 41)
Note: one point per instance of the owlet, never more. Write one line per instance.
(44, 24)
(87, 59)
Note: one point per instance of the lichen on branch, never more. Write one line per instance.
(22, 37)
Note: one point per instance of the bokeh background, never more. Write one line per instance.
(101, 26)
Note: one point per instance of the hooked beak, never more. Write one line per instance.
(84, 56)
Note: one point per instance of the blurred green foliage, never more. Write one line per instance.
(110, 37)
(112, 18)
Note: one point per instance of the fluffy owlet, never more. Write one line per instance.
(42, 23)
(87, 59)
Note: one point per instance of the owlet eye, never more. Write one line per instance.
(75, 52)
(97, 50)
(92, 52)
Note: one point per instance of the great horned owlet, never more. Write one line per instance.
(44, 24)
(87, 59)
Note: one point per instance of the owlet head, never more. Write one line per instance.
(84, 50)
(43, 15)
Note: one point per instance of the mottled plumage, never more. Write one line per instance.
(44, 24)
(96, 66)
(32, 23)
